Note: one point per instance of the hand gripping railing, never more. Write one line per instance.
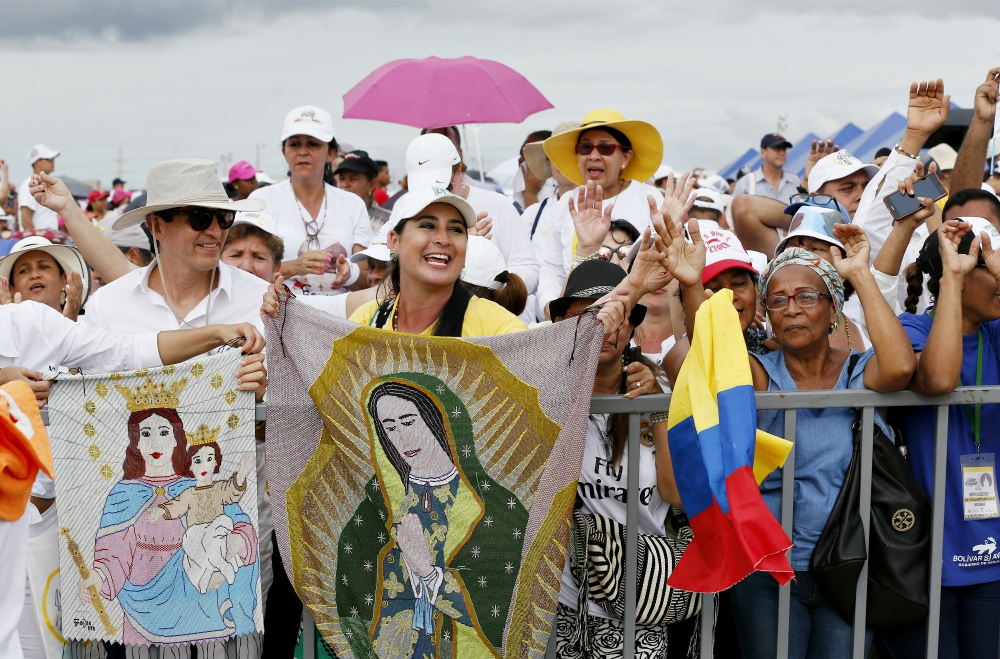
(789, 401)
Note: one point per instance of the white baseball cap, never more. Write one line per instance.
(131, 236)
(262, 221)
(944, 155)
(308, 120)
(40, 151)
(837, 166)
(663, 171)
(379, 247)
(413, 202)
(982, 225)
(429, 160)
(723, 251)
(484, 263)
(714, 199)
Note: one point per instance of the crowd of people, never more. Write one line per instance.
(831, 290)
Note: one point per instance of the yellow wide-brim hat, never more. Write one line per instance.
(647, 145)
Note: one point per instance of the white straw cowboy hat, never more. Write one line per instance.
(185, 182)
(68, 258)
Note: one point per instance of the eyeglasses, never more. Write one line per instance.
(605, 148)
(804, 299)
(200, 218)
(607, 252)
(815, 199)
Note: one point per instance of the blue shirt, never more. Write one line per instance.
(824, 442)
(970, 553)
(762, 187)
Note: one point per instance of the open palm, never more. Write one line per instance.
(856, 247)
(649, 271)
(928, 107)
(686, 260)
(590, 221)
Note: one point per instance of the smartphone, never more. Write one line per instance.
(900, 205)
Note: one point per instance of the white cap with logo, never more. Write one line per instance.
(837, 166)
(40, 152)
(429, 160)
(483, 264)
(708, 198)
(379, 247)
(412, 203)
(262, 221)
(308, 120)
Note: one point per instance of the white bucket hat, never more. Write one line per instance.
(69, 258)
(185, 182)
(484, 262)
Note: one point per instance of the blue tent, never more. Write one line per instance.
(885, 133)
(797, 163)
(729, 171)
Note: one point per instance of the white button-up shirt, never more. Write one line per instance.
(40, 338)
(129, 304)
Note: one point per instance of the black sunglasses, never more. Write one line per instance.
(200, 218)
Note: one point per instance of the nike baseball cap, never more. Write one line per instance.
(429, 160)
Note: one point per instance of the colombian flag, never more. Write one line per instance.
(713, 440)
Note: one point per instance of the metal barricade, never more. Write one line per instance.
(789, 401)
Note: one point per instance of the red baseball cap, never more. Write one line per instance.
(241, 171)
(96, 194)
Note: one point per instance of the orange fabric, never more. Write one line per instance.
(20, 457)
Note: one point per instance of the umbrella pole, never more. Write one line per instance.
(479, 157)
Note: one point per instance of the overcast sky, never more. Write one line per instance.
(203, 78)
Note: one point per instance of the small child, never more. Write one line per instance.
(205, 540)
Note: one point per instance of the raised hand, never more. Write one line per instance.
(985, 103)
(484, 226)
(686, 260)
(5, 297)
(991, 256)
(649, 269)
(74, 296)
(271, 303)
(592, 225)
(954, 264)
(678, 198)
(856, 245)
(928, 107)
(50, 192)
(817, 151)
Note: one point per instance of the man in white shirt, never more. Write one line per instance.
(433, 161)
(188, 214)
(33, 215)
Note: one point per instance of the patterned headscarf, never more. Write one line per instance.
(822, 267)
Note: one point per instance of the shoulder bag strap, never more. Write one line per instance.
(538, 215)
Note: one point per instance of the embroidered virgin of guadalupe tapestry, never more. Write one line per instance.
(422, 487)
(157, 493)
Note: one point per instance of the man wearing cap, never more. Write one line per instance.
(33, 215)
(358, 173)
(432, 161)
(243, 179)
(770, 179)
(189, 214)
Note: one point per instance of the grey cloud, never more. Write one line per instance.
(138, 20)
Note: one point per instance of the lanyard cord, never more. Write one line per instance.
(166, 293)
(974, 412)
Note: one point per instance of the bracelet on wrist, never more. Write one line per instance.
(904, 153)
(658, 417)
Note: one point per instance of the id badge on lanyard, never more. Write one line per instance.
(979, 482)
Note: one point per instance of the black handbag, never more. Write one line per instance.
(899, 539)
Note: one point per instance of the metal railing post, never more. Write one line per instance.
(707, 623)
(865, 503)
(937, 529)
(308, 635)
(631, 535)
(787, 512)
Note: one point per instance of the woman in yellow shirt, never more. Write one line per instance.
(428, 248)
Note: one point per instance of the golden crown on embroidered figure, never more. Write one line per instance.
(203, 435)
(150, 395)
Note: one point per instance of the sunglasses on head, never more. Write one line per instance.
(200, 218)
(605, 148)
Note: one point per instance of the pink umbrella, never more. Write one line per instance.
(435, 92)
